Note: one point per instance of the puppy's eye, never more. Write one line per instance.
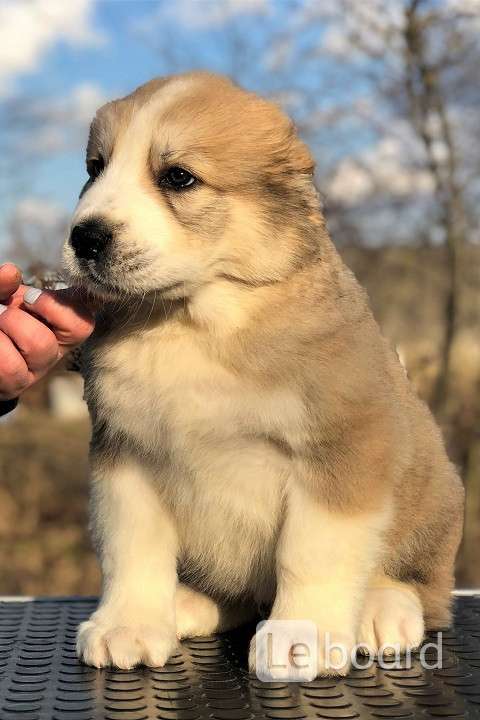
(178, 179)
(94, 167)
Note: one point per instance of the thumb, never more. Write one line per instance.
(10, 279)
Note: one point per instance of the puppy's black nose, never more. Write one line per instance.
(90, 239)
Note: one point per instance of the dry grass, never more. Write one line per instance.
(44, 545)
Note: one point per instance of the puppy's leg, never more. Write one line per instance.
(197, 614)
(396, 613)
(438, 581)
(324, 561)
(392, 618)
(135, 622)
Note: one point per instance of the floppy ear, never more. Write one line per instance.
(236, 133)
(300, 157)
(275, 137)
(104, 127)
(94, 136)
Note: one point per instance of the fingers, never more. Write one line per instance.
(36, 329)
(65, 313)
(35, 341)
(14, 374)
(10, 279)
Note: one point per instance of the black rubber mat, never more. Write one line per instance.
(41, 678)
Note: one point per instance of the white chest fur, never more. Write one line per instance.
(218, 470)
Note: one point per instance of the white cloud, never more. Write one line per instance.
(393, 166)
(60, 123)
(29, 29)
(34, 232)
(84, 101)
(371, 28)
(351, 183)
(203, 14)
(32, 210)
(466, 6)
(386, 191)
(357, 31)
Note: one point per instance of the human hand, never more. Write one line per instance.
(37, 328)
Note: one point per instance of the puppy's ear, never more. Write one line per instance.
(300, 157)
(105, 126)
(276, 135)
(239, 135)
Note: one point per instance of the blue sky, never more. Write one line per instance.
(115, 64)
(60, 60)
(120, 44)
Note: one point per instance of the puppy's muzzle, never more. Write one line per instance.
(91, 239)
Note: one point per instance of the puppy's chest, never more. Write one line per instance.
(166, 390)
(217, 444)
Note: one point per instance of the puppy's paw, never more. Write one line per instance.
(102, 642)
(287, 656)
(392, 621)
(196, 613)
(336, 651)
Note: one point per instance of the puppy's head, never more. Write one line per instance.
(190, 178)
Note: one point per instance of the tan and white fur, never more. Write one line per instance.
(255, 439)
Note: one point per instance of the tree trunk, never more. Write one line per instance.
(427, 104)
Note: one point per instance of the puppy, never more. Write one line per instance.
(255, 439)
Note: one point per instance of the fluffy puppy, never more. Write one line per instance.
(255, 440)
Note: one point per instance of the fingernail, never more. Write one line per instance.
(2, 308)
(31, 295)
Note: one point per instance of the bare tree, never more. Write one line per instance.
(427, 105)
(34, 239)
(417, 61)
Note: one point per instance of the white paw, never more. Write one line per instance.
(296, 658)
(196, 614)
(392, 621)
(336, 652)
(102, 642)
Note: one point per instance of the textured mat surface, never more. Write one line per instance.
(40, 678)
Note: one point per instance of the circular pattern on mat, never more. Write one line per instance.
(41, 678)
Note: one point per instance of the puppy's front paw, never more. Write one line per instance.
(196, 614)
(103, 641)
(392, 622)
(289, 651)
(336, 652)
